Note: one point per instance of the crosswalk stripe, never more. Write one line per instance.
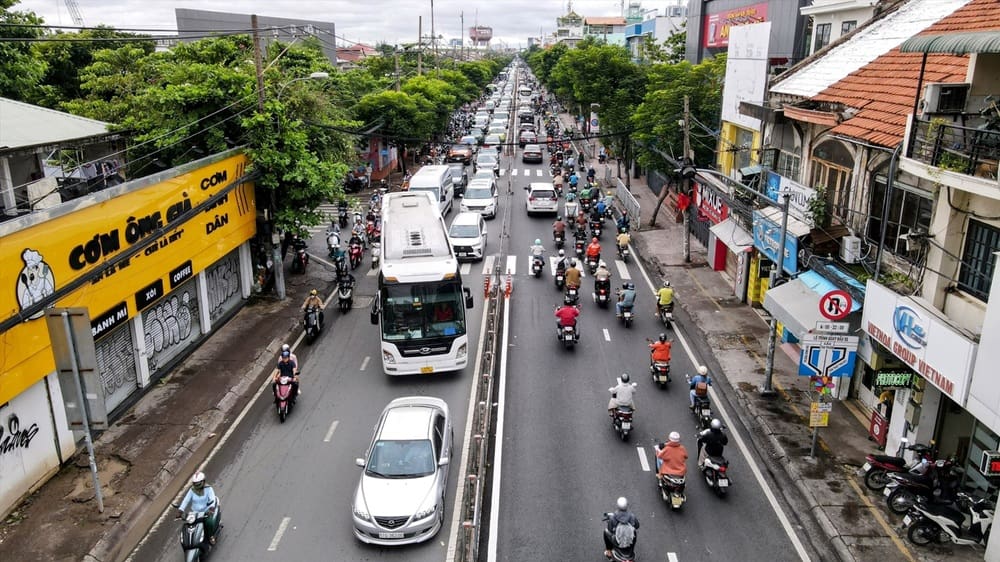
(622, 269)
(513, 172)
(466, 268)
(511, 265)
(539, 172)
(503, 171)
(488, 264)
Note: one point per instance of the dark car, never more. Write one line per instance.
(459, 177)
(526, 138)
(460, 153)
(532, 153)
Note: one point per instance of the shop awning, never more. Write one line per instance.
(954, 43)
(796, 303)
(733, 236)
(796, 227)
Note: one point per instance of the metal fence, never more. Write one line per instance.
(629, 204)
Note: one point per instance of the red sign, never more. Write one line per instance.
(710, 204)
(835, 305)
(877, 428)
(717, 25)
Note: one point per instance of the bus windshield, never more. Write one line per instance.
(422, 310)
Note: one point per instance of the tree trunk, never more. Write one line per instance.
(659, 201)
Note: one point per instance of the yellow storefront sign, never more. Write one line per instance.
(87, 244)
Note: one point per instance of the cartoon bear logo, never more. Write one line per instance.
(35, 282)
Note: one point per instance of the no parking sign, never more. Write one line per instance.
(835, 305)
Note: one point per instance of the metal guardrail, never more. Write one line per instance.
(630, 205)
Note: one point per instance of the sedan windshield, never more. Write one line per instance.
(424, 310)
(464, 231)
(479, 193)
(485, 159)
(401, 459)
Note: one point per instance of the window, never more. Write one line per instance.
(848, 26)
(832, 169)
(976, 274)
(822, 36)
(744, 144)
(788, 165)
(909, 211)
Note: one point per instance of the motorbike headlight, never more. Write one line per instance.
(388, 358)
(463, 350)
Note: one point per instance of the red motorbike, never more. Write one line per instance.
(283, 393)
(355, 254)
(878, 467)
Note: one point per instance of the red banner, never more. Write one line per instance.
(717, 25)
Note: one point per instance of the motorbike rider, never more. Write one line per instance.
(559, 228)
(660, 350)
(557, 181)
(701, 377)
(591, 174)
(573, 180)
(601, 207)
(358, 231)
(314, 300)
(570, 207)
(286, 368)
(561, 262)
(626, 299)
(623, 223)
(537, 250)
(285, 347)
(622, 515)
(201, 497)
(573, 275)
(672, 457)
(594, 250)
(566, 316)
(622, 395)
(623, 239)
(602, 276)
(711, 442)
(665, 298)
(581, 222)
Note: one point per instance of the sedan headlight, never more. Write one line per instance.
(423, 514)
(361, 513)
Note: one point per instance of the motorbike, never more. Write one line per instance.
(671, 486)
(660, 371)
(313, 324)
(592, 263)
(937, 484)
(967, 523)
(572, 295)
(626, 316)
(568, 336)
(342, 216)
(301, 259)
(537, 264)
(571, 208)
(624, 253)
(376, 254)
(595, 228)
(666, 314)
(345, 295)
(284, 398)
(560, 239)
(579, 247)
(194, 543)
(715, 473)
(560, 279)
(702, 408)
(621, 421)
(585, 203)
(602, 293)
(877, 467)
(620, 553)
(332, 242)
(355, 253)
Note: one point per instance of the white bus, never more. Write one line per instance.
(420, 303)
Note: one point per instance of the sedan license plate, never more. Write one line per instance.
(907, 520)
(887, 491)
(464, 254)
(391, 535)
(427, 369)
(723, 482)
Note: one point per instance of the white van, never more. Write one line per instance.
(436, 180)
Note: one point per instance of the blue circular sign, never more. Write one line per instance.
(909, 327)
(593, 122)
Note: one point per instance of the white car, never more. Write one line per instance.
(492, 140)
(480, 196)
(542, 198)
(468, 236)
(400, 498)
(486, 161)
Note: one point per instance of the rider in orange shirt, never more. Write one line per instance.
(594, 249)
(660, 350)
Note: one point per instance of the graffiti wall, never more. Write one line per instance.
(27, 445)
(171, 326)
(116, 364)
(223, 283)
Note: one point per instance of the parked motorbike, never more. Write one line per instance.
(626, 316)
(194, 543)
(602, 293)
(285, 401)
(938, 484)
(671, 486)
(702, 408)
(621, 421)
(666, 314)
(355, 254)
(967, 523)
(345, 295)
(301, 259)
(313, 324)
(877, 467)
(537, 264)
(715, 472)
(624, 253)
(620, 553)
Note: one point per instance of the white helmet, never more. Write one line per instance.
(285, 347)
(601, 264)
(562, 252)
(622, 503)
(716, 424)
(198, 480)
(702, 370)
(674, 437)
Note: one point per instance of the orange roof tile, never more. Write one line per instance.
(884, 90)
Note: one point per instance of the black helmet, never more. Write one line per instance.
(624, 377)
(663, 337)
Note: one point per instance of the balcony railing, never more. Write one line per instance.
(966, 150)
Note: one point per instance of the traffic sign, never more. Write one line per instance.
(819, 414)
(833, 327)
(835, 305)
(827, 355)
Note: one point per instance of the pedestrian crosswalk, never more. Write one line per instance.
(527, 172)
(510, 266)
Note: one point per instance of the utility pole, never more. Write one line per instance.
(420, 45)
(434, 40)
(395, 57)
(461, 36)
(687, 181)
(279, 263)
(772, 336)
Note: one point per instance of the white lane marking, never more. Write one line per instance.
(364, 362)
(488, 263)
(278, 534)
(622, 269)
(671, 557)
(491, 547)
(539, 173)
(329, 432)
(466, 268)
(511, 265)
(322, 261)
(372, 272)
(785, 523)
(456, 517)
(502, 171)
(642, 459)
(607, 335)
(513, 172)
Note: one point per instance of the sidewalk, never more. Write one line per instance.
(733, 338)
(149, 454)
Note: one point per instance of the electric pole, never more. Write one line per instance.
(395, 57)
(461, 36)
(434, 40)
(420, 45)
(687, 180)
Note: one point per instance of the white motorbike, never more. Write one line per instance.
(931, 522)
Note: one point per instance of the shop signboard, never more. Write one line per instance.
(933, 349)
(990, 465)
(717, 25)
(799, 196)
(710, 203)
(767, 236)
(827, 355)
(157, 218)
(819, 414)
(893, 379)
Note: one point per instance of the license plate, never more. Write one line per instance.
(706, 412)
(463, 254)
(626, 425)
(676, 501)
(723, 482)
(427, 369)
(867, 466)
(391, 535)
(568, 337)
(907, 520)
(628, 315)
(886, 491)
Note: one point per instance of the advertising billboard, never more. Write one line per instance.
(717, 25)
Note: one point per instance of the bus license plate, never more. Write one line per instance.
(428, 369)
(391, 535)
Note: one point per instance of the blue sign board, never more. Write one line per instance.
(773, 187)
(767, 236)
(828, 355)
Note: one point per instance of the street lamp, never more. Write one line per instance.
(279, 268)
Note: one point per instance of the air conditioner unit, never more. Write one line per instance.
(850, 249)
(945, 98)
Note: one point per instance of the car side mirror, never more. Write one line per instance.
(468, 297)
(526, 188)
(374, 311)
(360, 462)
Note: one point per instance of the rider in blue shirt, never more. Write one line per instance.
(202, 499)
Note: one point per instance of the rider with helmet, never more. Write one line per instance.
(665, 298)
(561, 261)
(622, 394)
(602, 277)
(620, 517)
(559, 228)
(660, 350)
(314, 300)
(285, 347)
(594, 249)
(201, 497)
(623, 239)
(626, 298)
(672, 457)
(711, 442)
(701, 377)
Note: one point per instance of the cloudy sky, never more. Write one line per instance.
(368, 21)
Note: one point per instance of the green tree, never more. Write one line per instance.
(404, 118)
(20, 71)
